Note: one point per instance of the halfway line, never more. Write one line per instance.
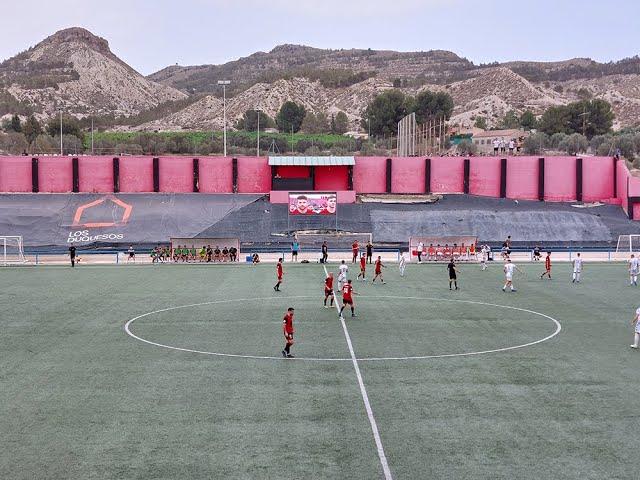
(363, 392)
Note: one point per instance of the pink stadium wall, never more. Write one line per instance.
(136, 174)
(95, 174)
(176, 174)
(254, 175)
(216, 175)
(369, 175)
(621, 183)
(293, 171)
(597, 173)
(484, 176)
(522, 178)
(559, 179)
(15, 174)
(447, 175)
(55, 174)
(331, 178)
(407, 174)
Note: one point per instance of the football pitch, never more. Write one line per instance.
(195, 386)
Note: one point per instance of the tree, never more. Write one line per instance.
(467, 147)
(528, 120)
(341, 124)
(480, 122)
(31, 129)
(536, 143)
(45, 144)
(574, 143)
(556, 139)
(555, 120)
(510, 120)
(70, 126)
(290, 117)
(430, 106)
(16, 125)
(385, 111)
(249, 121)
(13, 143)
(315, 123)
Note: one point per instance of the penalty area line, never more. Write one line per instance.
(363, 392)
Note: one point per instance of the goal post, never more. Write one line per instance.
(443, 248)
(627, 244)
(11, 250)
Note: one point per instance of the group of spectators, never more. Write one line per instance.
(182, 253)
(500, 145)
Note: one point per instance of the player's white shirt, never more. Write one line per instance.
(508, 270)
(130, 250)
(343, 269)
(485, 253)
(634, 265)
(420, 246)
(402, 261)
(577, 265)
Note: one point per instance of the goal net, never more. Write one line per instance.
(197, 244)
(312, 240)
(11, 250)
(627, 244)
(434, 248)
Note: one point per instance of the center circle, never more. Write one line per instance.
(558, 328)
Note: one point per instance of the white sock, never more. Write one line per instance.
(577, 277)
(636, 339)
(574, 275)
(512, 289)
(505, 287)
(635, 279)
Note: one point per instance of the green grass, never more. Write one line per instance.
(80, 399)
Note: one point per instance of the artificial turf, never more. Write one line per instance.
(81, 399)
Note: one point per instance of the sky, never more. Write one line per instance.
(151, 35)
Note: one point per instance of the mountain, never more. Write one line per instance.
(76, 71)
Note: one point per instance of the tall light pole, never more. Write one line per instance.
(224, 84)
(258, 110)
(61, 153)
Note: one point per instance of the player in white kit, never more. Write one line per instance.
(484, 257)
(402, 264)
(577, 268)
(636, 334)
(509, 269)
(634, 267)
(343, 269)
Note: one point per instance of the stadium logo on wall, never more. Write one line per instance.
(104, 212)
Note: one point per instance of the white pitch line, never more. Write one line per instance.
(363, 392)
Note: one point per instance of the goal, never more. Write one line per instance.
(12, 252)
(627, 244)
(439, 248)
(336, 241)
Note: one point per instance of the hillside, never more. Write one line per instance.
(77, 71)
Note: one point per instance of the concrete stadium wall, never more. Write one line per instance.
(559, 179)
(254, 175)
(15, 174)
(484, 176)
(447, 175)
(597, 175)
(176, 174)
(95, 174)
(522, 178)
(136, 174)
(55, 174)
(407, 174)
(216, 174)
(369, 175)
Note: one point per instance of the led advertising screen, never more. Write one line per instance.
(313, 203)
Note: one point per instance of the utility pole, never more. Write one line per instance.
(258, 110)
(61, 153)
(91, 135)
(224, 84)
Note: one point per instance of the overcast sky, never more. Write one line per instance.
(150, 35)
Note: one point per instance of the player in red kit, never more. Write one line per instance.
(547, 266)
(279, 272)
(347, 298)
(363, 266)
(328, 289)
(355, 248)
(378, 270)
(288, 331)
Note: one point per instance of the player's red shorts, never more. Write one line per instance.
(378, 272)
(289, 338)
(327, 292)
(347, 301)
(279, 278)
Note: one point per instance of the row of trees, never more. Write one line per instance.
(382, 115)
(293, 117)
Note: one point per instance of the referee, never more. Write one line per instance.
(72, 255)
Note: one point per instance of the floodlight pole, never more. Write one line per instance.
(258, 110)
(224, 84)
